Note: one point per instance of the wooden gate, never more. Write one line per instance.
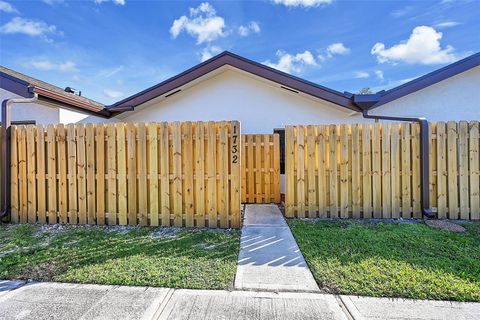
(260, 168)
(182, 174)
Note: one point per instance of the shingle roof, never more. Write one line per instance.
(51, 88)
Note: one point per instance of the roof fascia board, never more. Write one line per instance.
(48, 101)
(15, 85)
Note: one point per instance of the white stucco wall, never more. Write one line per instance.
(456, 98)
(31, 111)
(231, 95)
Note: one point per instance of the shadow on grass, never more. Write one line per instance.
(192, 259)
(391, 259)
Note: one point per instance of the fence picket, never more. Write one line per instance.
(474, 158)
(41, 185)
(72, 174)
(31, 174)
(463, 169)
(344, 171)
(90, 149)
(441, 171)
(223, 157)
(235, 168)
(415, 150)
(62, 183)
(52, 174)
(200, 174)
(142, 174)
(164, 174)
(22, 173)
(132, 173)
(100, 176)
(122, 175)
(452, 170)
(290, 202)
(322, 172)
(15, 218)
(153, 170)
(112, 174)
(81, 174)
(386, 206)
(311, 172)
(406, 171)
(211, 175)
(367, 172)
(301, 172)
(356, 171)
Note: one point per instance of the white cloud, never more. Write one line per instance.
(47, 65)
(361, 75)
(33, 28)
(379, 74)
(447, 24)
(7, 7)
(337, 48)
(117, 2)
(423, 46)
(292, 63)
(209, 52)
(303, 3)
(111, 72)
(202, 23)
(252, 26)
(53, 2)
(401, 12)
(112, 93)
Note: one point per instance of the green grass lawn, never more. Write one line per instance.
(392, 259)
(164, 257)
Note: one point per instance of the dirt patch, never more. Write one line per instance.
(445, 225)
(207, 246)
(42, 272)
(167, 232)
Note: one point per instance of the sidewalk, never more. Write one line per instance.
(19, 300)
(269, 258)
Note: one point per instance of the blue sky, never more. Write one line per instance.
(110, 49)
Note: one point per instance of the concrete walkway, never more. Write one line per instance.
(269, 258)
(74, 301)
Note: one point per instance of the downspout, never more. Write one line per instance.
(365, 102)
(6, 149)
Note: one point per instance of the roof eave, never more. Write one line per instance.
(227, 58)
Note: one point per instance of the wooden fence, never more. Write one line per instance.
(182, 174)
(373, 170)
(260, 168)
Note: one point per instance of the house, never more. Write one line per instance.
(229, 86)
(50, 99)
(26, 100)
